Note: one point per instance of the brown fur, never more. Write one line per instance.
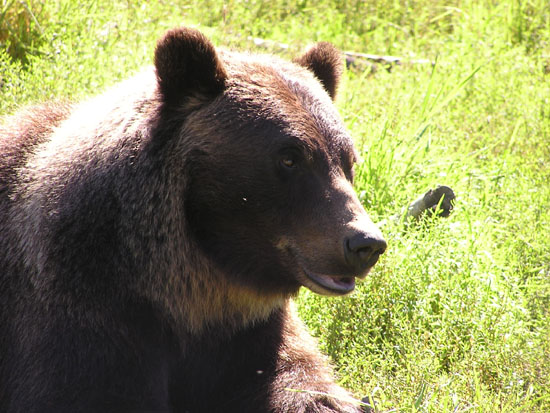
(326, 62)
(152, 237)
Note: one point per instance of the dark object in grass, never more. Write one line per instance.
(438, 201)
(369, 404)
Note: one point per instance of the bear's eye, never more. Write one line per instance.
(290, 159)
(288, 162)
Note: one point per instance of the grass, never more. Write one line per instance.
(456, 316)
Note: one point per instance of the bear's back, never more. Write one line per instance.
(21, 134)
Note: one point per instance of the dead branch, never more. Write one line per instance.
(351, 57)
(388, 60)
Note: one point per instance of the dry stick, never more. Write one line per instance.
(391, 60)
(350, 56)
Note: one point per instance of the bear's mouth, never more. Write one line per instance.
(335, 284)
(321, 283)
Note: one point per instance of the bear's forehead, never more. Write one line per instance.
(269, 90)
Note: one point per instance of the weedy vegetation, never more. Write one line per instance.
(456, 316)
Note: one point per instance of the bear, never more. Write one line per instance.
(153, 237)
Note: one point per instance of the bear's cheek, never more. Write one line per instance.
(235, 220)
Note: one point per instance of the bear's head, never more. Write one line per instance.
(269, 197)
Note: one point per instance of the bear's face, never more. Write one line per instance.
(270, 198)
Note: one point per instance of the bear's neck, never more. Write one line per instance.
(196, 301)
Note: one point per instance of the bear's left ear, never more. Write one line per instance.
(187, 64)
(326, 63)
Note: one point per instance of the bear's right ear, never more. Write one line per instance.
(187, 64)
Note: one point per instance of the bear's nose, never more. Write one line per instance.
(362, 250)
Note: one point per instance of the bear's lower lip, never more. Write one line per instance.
(333, 283)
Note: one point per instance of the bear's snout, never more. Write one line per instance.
(363, 249)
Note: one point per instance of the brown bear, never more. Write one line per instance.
(151, 238)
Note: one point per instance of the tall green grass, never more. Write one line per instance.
(456, 316)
